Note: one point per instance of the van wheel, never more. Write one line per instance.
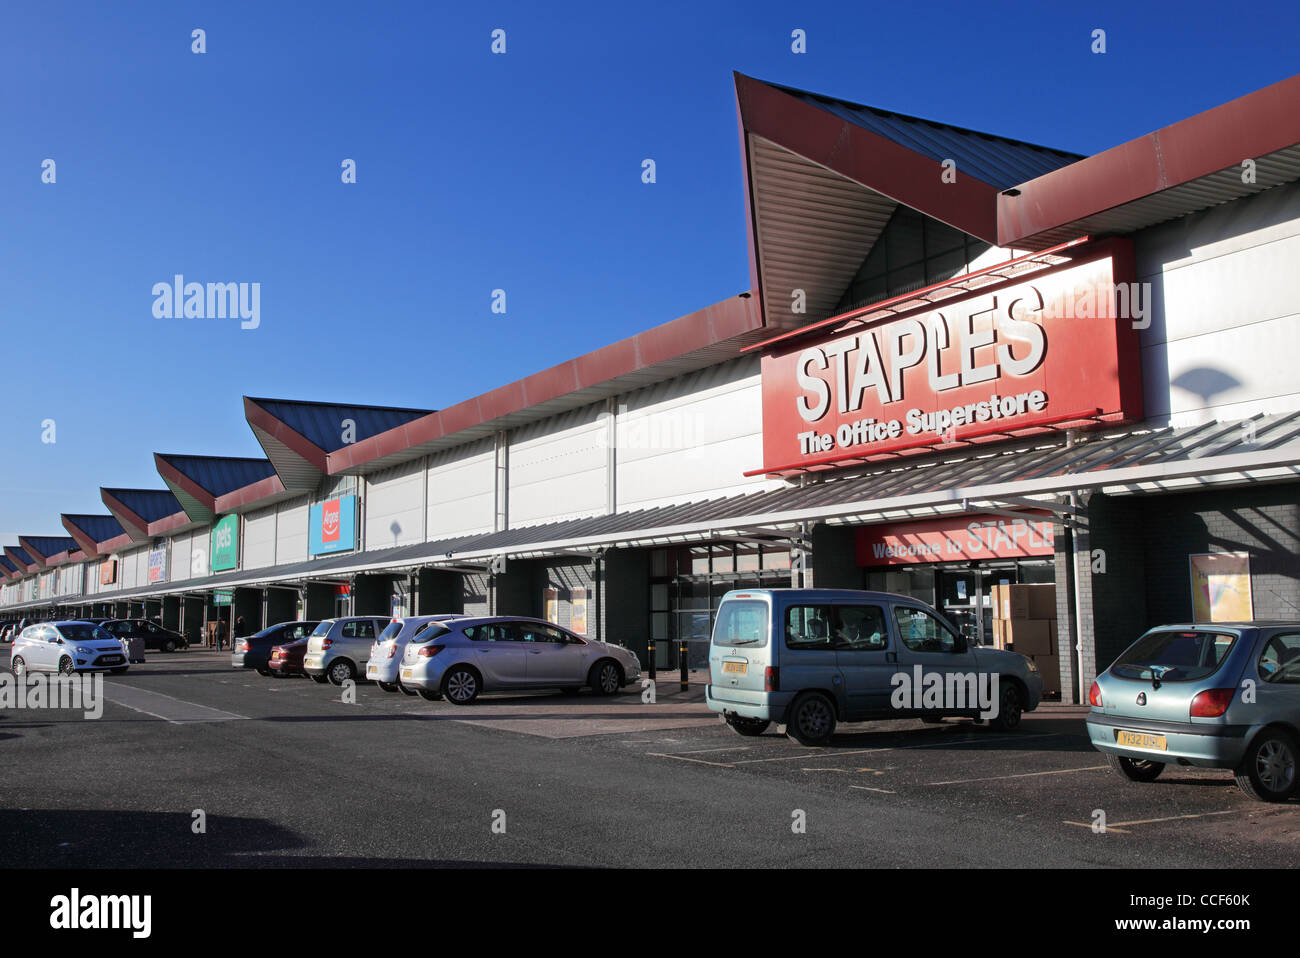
(1135, 770)
(812, 720)
(1268, 771)
(1010, 708)
(748, 726)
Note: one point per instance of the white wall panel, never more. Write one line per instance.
(394, 506)
(291, 532)
(460, 491)
(258, 531)
(1226, 310)
(691, 438)
(179, 569)
(558, 468)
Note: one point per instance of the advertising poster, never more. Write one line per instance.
(108, 572)
(578, 611)
(158, 564)
(333, 526)
(551, 605)
(1221, 587)
(224, 546)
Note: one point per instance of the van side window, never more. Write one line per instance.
(808, 627)
(921, 631)
(860, 628)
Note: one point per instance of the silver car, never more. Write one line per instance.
(460, 658)
(339, 647)
(1222, 695)
(385, 663)
(66, 647)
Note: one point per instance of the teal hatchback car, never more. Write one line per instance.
(1222, 695)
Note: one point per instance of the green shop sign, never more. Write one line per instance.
(224, 548)
(223, 597)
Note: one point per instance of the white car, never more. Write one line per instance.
(66, 647)
(385, 663)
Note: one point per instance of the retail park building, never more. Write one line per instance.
(963, 361)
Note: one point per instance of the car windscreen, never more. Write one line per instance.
(1174, 655)
(741, 622)
(81, 632)
(430, 632)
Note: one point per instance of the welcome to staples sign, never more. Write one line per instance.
(1051, 348)
(333, 526)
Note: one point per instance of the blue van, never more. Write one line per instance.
(809, 658)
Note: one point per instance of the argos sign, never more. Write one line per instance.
(333, 526)
(1051, 349)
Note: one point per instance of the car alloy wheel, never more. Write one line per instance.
(66, 667)
(608, 680)
(19, 667)
(1268, 773)
(340, 671)
(461, 686)
(812, 720)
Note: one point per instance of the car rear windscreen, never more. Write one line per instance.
(1174, 656)
(741, 622)
(429, 632)
(393, 631)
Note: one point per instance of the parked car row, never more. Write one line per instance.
(456, 657)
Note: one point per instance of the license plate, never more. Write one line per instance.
(109, 659)
(739, 668)
(1141, 740)
(406, 673)
(371, 669)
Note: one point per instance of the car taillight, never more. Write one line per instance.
(325, 644)
(429, 651)
(1094, 695)
(1212, 702)
(772, 679)
(245, 647)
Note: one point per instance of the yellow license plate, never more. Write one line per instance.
(1142, 740)
(740, 668)
(406, 673)
(371, 669)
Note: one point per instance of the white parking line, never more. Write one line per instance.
(867, 788)
(998, 778)
(146, 701)
(684, 758)
(1120, 826)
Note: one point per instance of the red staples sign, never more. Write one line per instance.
(954, 539)
(1058, 346)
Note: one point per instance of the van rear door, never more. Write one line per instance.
(741, 649)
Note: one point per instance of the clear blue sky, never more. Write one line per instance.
(475, 172)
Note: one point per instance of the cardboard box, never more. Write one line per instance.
(1025, 601)
(999, 634)
(1028, 636)
(1042, 600)
(1049, 667)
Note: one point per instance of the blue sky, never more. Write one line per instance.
(474, 172)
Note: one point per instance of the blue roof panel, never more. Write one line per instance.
(323, 424)
(52, 545)
(6, 564)
(149, 504)
(996, 160)
(220, 475)
(21, 553)
(99, 528)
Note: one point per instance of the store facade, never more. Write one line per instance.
(933, 387)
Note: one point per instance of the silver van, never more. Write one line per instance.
(809, 658)
(339, 648)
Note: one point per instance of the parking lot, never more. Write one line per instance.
(286, 772)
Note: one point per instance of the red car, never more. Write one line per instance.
(286, 660)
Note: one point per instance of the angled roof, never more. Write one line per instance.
(703, 338)
(145, 513)
(824, 176)
(95, 534)
(48, 550)
(19, 557)
(1179, 169)
(208, 485)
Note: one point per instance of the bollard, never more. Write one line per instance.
(681, 654)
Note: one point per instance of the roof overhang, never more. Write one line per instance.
(1190, 165)
(700, 339)
(90, 546)
(18, 556)
(138, 527)
(203, 505)
(48, 551)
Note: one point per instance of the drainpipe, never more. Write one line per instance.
(1080, 695)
